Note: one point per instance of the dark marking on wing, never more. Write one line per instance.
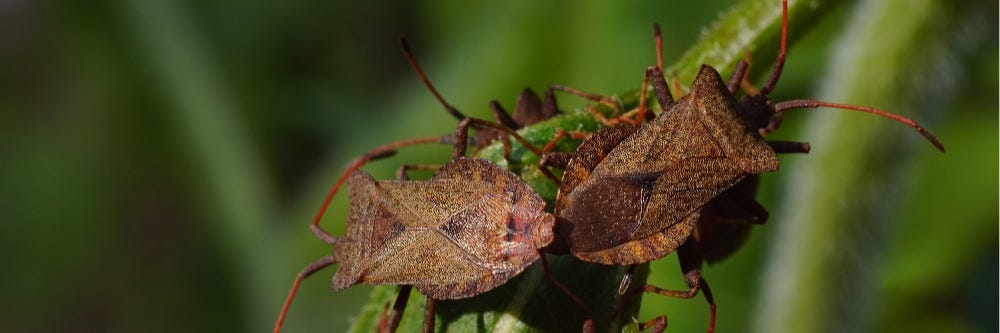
(610, 210)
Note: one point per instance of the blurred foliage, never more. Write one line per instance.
(161, 160)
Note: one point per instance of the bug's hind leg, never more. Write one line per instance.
(390, 321)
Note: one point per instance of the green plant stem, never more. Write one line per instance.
(838, 203)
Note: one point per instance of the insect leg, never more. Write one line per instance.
(556, 159)
(501, 115)
(613, 103)
(772, 124)
(462, 136)
(429, 316)
(690, 260)
(390, 322)
(401, 173)
(641, 113)
(657, 324)
(700, 284)
(609, 101)
(588, 322)
(306, 272)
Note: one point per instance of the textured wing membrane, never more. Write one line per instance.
(587, 156)
(429, 203)
(468, 288)
(643, 250)
(680, 194)
(612, 210)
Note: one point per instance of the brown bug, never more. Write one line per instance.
(468, 229)
(633, 193)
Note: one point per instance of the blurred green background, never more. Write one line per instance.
(161, 160)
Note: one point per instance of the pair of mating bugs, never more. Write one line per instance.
(643, 187)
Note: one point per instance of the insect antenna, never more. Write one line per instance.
(427, 82)
(659, 45)
(466, 121)
(739, 75)
(780, 63)
(809, 103)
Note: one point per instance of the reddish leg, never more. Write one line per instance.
(610, 102)
(690, 261)
(429, 315)
(588, 322)
(390, 322)
(306, 272)
(557, 159)
(462, 135)
(642, 112)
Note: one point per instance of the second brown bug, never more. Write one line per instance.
(633, 193)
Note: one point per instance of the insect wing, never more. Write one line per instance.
(667, 170)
